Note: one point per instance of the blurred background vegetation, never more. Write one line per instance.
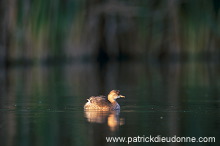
(39, 31)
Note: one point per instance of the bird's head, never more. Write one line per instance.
(114, 94)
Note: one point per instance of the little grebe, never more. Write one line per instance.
(103, 104)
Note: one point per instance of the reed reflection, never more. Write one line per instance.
(111, 118)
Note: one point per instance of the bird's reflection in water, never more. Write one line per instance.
(109, 117)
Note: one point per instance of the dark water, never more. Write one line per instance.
(43, 105)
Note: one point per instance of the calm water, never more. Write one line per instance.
(43, 105)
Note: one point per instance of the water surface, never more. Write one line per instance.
(43, 105)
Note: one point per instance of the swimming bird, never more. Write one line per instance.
(103, 104)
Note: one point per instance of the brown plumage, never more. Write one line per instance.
(102, 103)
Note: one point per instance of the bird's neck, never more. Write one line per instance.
(112, 100)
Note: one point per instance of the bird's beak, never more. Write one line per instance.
(121, 96)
